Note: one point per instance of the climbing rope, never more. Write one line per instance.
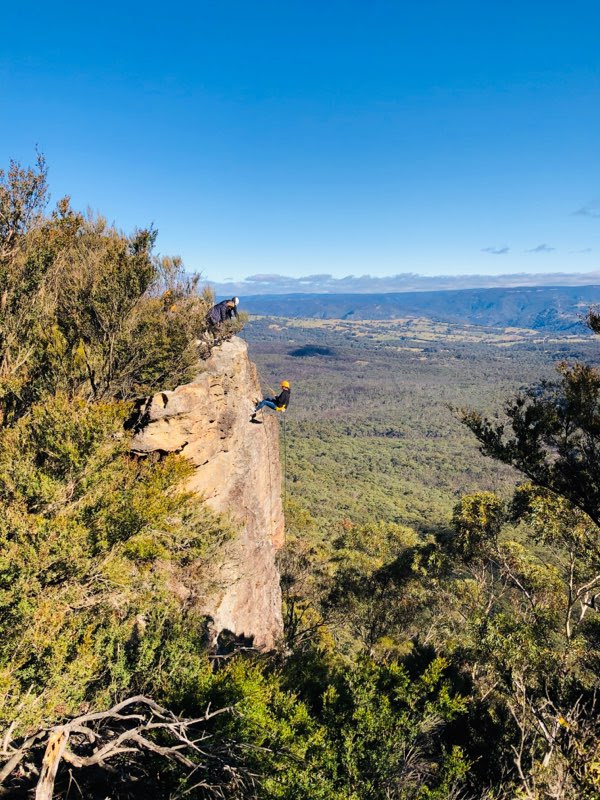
(270, 480)
(284, 462)
(270, 388)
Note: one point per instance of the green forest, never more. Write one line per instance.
(441, 576)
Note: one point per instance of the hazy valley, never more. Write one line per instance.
(541, 308)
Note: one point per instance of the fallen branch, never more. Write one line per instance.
(124, 733)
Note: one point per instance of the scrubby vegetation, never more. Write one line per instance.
(405, 542)
(441, 606)
(90, 538)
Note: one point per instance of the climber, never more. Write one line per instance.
(279, 403)
(223, 311)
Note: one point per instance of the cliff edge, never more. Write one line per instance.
(237, 470)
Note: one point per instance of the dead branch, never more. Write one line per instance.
(123, 734)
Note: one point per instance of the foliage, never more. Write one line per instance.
(370, 433)
(477, 519)
(96, 547)
(370, 732)
(384, 578)
(505, 589)
(526, 634)
(539, 623)
(442, 633)
(554, 430)
(85, 309)
(89, 540)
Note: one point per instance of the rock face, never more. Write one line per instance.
(237, 470)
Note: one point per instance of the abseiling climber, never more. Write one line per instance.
(279, 403)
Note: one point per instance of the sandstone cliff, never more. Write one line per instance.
(237, 470)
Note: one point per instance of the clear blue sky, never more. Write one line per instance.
(305, 137)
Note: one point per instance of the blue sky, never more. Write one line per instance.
(308, 137)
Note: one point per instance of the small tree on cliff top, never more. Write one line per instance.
(83, 308)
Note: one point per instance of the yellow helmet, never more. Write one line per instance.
(285, 384)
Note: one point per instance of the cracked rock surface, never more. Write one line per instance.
(237, 471)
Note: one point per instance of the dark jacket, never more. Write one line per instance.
(222, 312)
(283, 399)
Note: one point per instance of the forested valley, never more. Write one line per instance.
(441, 577)
(440, 506)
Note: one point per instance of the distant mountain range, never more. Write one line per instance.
(402, 282)
(544, 308)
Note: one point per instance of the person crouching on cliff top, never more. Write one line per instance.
(279, 403)
(223, 312)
